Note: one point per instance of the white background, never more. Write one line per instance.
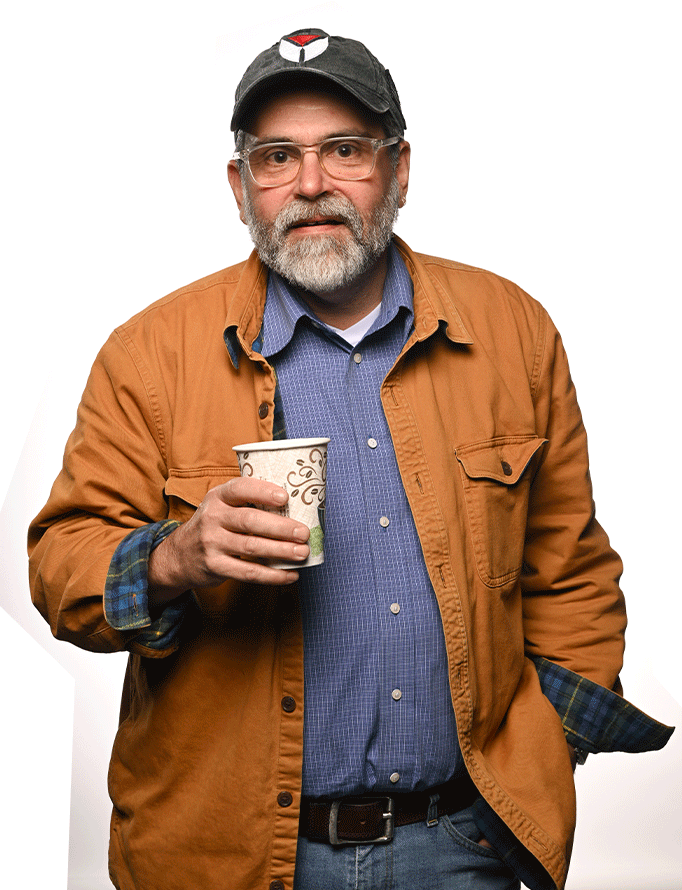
(546, 147)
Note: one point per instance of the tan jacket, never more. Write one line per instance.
(206, 769)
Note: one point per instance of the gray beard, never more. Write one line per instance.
(324, 263)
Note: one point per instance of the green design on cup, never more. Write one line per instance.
(316, 541)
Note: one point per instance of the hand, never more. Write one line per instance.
(227, 538)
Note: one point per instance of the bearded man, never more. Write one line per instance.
(407, 713)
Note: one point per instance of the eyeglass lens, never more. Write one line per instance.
(278, 163)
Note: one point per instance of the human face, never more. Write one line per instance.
(320, 233)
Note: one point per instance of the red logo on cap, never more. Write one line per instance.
(302, 39)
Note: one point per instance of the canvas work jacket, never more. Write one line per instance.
(205, 773)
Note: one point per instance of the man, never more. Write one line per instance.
(407, 713)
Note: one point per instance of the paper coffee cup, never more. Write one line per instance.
(299, 466)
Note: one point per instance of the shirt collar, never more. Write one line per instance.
(284, 309)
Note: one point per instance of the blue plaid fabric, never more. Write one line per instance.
(126, 606)
(595, 718)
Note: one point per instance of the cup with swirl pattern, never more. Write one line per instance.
(300, 467)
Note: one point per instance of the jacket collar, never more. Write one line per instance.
(433, 307)
(245, 310)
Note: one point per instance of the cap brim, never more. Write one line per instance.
(294, 73)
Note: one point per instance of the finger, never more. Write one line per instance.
(262, 524)
(256, 547)
(247, 492)
(241, 491)
(252, 572)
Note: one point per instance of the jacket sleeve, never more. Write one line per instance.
(573, 608)
(111, 483)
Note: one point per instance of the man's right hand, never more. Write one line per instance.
(227, 537)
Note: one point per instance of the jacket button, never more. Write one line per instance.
(285, 799)
(263, 410)
(288, 704)
(506, 469)
(276, 885)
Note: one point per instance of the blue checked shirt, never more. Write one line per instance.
(378, 711)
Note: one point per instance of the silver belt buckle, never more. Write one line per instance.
(387, 816)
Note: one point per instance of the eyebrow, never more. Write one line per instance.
(341, 134)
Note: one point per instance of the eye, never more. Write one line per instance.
(274, 156)
(278, 156)
(348, 150)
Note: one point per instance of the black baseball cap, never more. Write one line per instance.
(314, 53)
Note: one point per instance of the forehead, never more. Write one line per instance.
(310, 115)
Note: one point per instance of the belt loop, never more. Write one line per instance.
(432, 812)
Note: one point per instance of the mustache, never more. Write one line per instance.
(338, 208)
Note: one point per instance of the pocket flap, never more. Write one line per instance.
(192, 486)
(503, 459)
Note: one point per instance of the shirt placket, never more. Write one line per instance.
(393, 746)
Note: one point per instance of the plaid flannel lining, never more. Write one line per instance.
(126, 606)
(595, 718)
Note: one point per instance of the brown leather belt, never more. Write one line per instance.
(371, 818)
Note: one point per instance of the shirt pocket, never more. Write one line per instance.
(496, 476)
(186, 489)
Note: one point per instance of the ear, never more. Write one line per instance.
(235, 181)
(402, 170)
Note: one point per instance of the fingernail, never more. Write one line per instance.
(279, 496)
(300, 552)
(301, 534)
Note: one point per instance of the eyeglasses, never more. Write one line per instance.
(345, 157)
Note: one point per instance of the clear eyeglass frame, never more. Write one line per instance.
(316, 147)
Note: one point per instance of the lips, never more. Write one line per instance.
(311, 223)
(324, 216)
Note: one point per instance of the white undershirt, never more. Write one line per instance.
(357, 331)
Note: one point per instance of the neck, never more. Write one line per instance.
(345, 306)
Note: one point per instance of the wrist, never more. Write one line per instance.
(164, 581)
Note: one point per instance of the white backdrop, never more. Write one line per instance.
(546, 147)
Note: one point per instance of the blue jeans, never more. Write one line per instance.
(444, 856)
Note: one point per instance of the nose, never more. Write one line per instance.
(312, 181)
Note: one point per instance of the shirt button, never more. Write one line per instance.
(395, 608)
(285, 799)
(506, 468)
(384, 522)
(263, 410)
(357, 358)
(372, 443)
(394, 777)
(396, 695)
(276, 885)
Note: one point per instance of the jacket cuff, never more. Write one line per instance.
(126, 604)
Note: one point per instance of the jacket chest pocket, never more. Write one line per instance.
(186, 489)
(496, 476)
